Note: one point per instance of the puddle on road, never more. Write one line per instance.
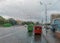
(37, 38)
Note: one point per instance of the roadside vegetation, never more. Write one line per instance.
(7, 22)
(11, 22)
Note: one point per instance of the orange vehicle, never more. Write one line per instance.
(37, 30)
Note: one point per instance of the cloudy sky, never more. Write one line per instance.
(28, 9)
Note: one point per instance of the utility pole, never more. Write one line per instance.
(45, 14)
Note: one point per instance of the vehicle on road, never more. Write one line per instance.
(56, 27)
(30, 27)
(37, 30)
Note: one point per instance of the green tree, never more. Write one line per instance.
(37, 23)
(2, 20)
(12, 21)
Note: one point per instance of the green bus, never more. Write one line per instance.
(30, 27)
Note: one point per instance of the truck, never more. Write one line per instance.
(56, 24)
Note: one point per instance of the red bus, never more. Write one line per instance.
(37, 30)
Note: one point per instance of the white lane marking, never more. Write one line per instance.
(11, 33)
(8, 35)
(32, 38)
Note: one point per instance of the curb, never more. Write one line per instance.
(45, 36)
(46, 39)
(49, 40)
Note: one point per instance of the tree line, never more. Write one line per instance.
(5, 21)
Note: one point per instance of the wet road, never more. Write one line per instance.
(19, 34)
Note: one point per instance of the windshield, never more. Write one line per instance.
(18, 19)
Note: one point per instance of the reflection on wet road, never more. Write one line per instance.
(19, 34)
(37, 38)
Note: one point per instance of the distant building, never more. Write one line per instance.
(19, 22)
(54, 16)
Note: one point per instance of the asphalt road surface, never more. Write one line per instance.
(19, 34)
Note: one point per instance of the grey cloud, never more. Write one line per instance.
(2, 0)
(26, 9)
